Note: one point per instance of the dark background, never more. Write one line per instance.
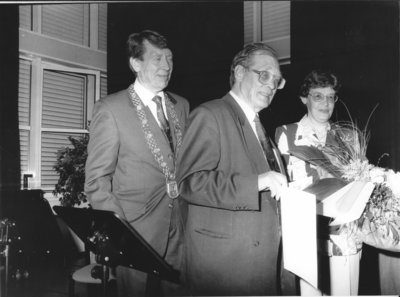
(203, 38)
(358, 40)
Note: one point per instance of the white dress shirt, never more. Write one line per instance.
(147, 98)
(248, 111)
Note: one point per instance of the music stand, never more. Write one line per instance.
(115, 242)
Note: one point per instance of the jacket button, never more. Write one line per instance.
(170, 205)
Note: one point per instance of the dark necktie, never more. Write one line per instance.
(266, 145)
(163, 121)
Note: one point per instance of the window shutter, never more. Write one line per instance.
(24, 100)
(25, 17)
(248, 21)
(63, 100)
(24, 89)
(269, 22)
(63, 107)
(102, 27)
(24, 157)
(275, 19)
(66, 22)
(103, 87)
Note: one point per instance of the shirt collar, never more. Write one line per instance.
(145, 94)
(248, 111)
(306, 123)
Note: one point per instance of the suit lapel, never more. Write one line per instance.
(161, 140)
(250, 141)
(171, 123)
(278, 158)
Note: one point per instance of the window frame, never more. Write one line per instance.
(38, 67)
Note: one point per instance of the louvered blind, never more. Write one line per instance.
(65, 22)
(248, 21)
(24, 151)
(275, 19)
(24, 89)
(269, 22)
(63, 100)
(64, 107)
(25, 17)
(24, 101)
(103, 86)
(103, 27)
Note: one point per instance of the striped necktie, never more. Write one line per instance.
(266, 145)
(163, 121)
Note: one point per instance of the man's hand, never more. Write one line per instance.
(273, 181)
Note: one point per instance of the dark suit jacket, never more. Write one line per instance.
(122, 174)
(232, 230)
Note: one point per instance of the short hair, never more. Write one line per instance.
(244, 56)
(135, 47)
(319, 79)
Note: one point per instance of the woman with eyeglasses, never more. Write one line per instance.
(318, 93)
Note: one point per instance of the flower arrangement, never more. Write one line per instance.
(379, 223)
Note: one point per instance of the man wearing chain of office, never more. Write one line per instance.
(134, 137)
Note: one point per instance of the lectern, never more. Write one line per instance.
(115, 242)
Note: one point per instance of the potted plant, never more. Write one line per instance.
(70, 165)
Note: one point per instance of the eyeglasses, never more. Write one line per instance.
(266, 77)
(318, 97)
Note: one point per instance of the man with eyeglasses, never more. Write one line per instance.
(231, 175)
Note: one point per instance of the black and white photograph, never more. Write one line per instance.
(200, 148)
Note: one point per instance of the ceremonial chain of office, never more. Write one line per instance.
(151, 141)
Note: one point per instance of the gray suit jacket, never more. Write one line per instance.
(232, 231)
(121, 172)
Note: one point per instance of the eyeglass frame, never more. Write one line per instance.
(280, 81)
(329, 98)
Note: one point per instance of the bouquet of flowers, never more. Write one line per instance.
(377, 222)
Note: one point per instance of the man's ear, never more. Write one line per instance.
(239, 72)
(304, 100)
(134, 64)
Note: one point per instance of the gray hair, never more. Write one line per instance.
(244, 56)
